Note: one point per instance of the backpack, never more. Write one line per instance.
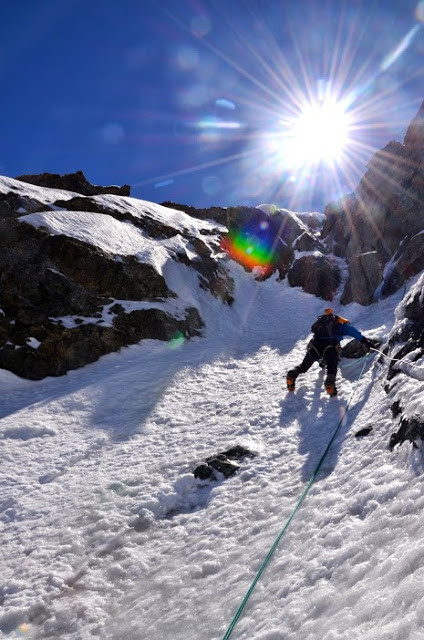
(325, 326)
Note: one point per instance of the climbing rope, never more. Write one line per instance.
(342, 365)
(410, 364)
(293, 513)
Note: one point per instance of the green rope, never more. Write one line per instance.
(293, 513)
(342, 365)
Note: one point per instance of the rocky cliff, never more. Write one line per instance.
(84, 275)
(378, 228)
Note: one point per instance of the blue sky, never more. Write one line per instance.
(193, 100)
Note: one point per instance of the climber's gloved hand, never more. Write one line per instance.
(367, 344)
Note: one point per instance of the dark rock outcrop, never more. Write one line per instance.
(411, 429)
(410, 336)
(315, 274)
(266, 240)
(365, 275)
(414, 137)
(307, 242)
(13, 205)
(214, 278)
(76, 182)
(356, 349)
(100, 273)
(44, 277)
(363, 432)
(404, 353)
(156, 324)
(353, 349)
(407, 262)
(223, 463)
(414, 308)
(63, 349)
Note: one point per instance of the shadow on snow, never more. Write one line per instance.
(321, 417)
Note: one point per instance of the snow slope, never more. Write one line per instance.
(106, 533)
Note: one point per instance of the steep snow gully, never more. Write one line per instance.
(107, 534)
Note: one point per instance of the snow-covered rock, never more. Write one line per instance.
(70, 263)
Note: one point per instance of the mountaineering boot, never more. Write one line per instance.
(291, 378)
(330, 385)
(331, 389)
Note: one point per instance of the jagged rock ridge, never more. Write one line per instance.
(76, 182)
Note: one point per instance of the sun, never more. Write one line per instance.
(319, 133)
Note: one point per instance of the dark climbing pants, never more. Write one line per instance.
(329, 354)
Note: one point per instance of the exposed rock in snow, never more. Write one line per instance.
(307, 242)
(408, 261)
(364, 277)
(222, 463)
(404, 356)
(411, 429)
(316, 274)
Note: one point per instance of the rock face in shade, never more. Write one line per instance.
(65, 302)
(315, 274)
(378, 228)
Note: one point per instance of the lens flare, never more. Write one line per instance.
(200, 26)
(253, 246)
(225, 104)
(163, 183)
(212, 122)
(403, 45)
(176, 341)
(187, 58)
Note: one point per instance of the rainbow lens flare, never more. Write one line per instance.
(253, 246)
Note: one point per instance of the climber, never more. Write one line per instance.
(328, 330)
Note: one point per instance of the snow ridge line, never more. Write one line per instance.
(293, 513)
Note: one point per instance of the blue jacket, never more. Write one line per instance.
(346, 329)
